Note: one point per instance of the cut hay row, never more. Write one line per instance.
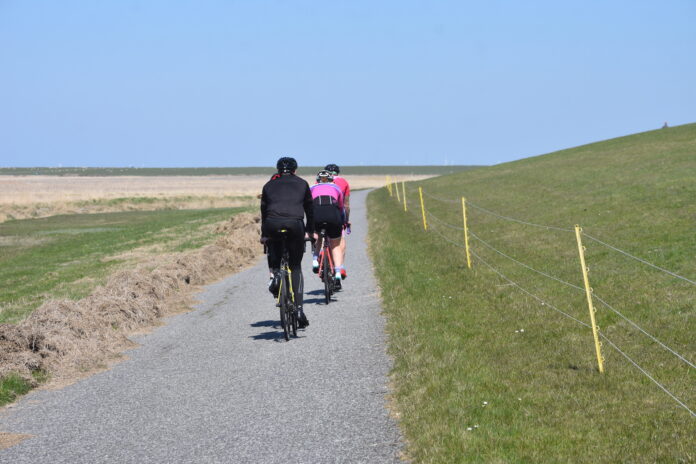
(66, 338)
(116, 205)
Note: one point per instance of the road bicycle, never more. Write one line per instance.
(326, 268)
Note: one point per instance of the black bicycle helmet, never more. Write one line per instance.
(286, 164)
(324, 174)
(333, 168)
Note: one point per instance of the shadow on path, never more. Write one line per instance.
(274, 324)
(272, 336)
(320, 301)
(276, 335)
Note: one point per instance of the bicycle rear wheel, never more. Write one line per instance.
(284, 321)
(326, 276)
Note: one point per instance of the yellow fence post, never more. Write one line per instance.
(466, 234)
(389, 187)
(398, 197)
(588, 293)
(403, 186)
(420, 192)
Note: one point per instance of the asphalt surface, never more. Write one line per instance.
(221, 385)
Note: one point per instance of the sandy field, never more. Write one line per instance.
(41, 196)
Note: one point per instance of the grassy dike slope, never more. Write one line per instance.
(474, 352)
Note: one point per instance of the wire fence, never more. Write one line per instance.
(439, 226)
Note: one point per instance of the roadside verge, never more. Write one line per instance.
(68, 339)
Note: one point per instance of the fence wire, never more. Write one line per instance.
(486, 244)
(508, 218)
(680, 402)
(446, 224)
(604, 337)
(594, 296)
(443, 200)
(515, 284)
(639, 259)
(644, 331)
(562, 229)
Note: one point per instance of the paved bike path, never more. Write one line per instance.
(221, 385)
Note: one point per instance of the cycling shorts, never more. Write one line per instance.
(328, 217)
(295, 241)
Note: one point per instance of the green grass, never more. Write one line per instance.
(346, 170)
(68, 255)
(12, 387)
(455, 333)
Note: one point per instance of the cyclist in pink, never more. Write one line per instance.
(345, 188)
(327, 198)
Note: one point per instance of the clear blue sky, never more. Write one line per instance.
(238, 83)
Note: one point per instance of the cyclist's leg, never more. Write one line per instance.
(342, 244)
(320, 217)
(298, 290)
(296, 268)
(274, 250)
(270, 230)
(318, 225)
(316, 251)
(334, 231)
(296, 246)
(336, 255)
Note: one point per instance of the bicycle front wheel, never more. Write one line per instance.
(326, 276)
(293, 323)
(292, 310)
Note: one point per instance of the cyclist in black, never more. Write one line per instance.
(285, 201)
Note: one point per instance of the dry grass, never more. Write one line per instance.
(41, 196)
(68, 338)
(10, 439)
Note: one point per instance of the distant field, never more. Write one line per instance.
(251, 171)
(41, 196)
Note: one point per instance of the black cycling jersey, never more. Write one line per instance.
(289, 197)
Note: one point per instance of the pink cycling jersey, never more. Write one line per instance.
(343, 185)
(328, 189)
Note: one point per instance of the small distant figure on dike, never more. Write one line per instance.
(665, 125)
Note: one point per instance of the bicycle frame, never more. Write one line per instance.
(286, 274)
(325, 248)
(288, 314)
(326, 275)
